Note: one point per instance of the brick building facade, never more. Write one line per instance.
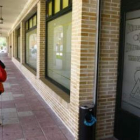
(84, 54)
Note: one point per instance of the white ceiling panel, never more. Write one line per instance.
(10, 11)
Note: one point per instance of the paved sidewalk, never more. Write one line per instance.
(25, 116)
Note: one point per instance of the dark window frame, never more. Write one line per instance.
(62, 12)
(18, 35)
(27, 31)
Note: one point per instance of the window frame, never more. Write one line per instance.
(27, 31)
(60, 13)
(54, 16)
(18, 35)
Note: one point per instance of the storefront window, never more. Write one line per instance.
(59, 50)
(34, 20)
(57, 6)
(31, 48)
(59, 43)
(50, 8)
(18, 43)
(65, 3)
(30, 23)
(31, 43)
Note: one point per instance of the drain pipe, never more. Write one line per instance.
(97, 52)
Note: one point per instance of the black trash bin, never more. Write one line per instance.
(87, 122)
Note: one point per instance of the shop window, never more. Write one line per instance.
(57, 5)
(30, 23)
(59, 47)
(18, 44)
(50, 8)
(34, 20)
(31, 43)
(65, 3)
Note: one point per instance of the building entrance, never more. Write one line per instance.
(127, 122)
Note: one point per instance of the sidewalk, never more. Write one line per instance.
(25, 116)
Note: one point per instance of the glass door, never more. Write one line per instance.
(127, 119)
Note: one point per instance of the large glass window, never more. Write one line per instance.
(18, 43)
(31, 43)
(59, 49)
(31, 48)
(59, 44)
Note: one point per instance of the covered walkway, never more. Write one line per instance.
(25, 115)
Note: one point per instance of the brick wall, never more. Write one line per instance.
(41, 16)
(109, 38)
(83, 56)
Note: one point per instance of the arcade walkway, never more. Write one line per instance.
(25, 115)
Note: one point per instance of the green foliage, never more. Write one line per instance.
(3, 41)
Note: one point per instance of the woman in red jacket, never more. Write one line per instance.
(3, 76)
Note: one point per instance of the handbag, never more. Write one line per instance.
(3, 74)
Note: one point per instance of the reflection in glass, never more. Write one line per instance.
(59, 50)
(34, 20)
(18, 55)
(65, 3)
(30, 23)
(31, 48)
(57, 6)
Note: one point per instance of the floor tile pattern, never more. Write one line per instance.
(24, 114)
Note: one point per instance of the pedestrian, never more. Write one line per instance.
(3, 77)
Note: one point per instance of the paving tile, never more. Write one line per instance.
(1, 136)
(40, 114)
(23, 108)
(18, 95)
(9, 110)
(67, 133)
(25, 113)
(29, 126)
(10, 121)
(52, 130)
(47, 123)
(21, 104)
(1, 129)
(56, 136)
(37, 138)
(8, 104)
(32, 133)
(27, 120)
(6, 85)
(12, 128)
(9, 114)
(12, 135)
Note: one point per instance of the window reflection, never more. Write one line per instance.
(31, 48)
(59, 50)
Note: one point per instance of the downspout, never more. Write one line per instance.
(97, 52)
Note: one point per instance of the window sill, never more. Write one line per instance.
(60, 94)
(30, 69)
(18, 59)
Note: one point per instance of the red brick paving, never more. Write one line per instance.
(25, 115)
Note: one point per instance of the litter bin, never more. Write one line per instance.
(87, 122)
